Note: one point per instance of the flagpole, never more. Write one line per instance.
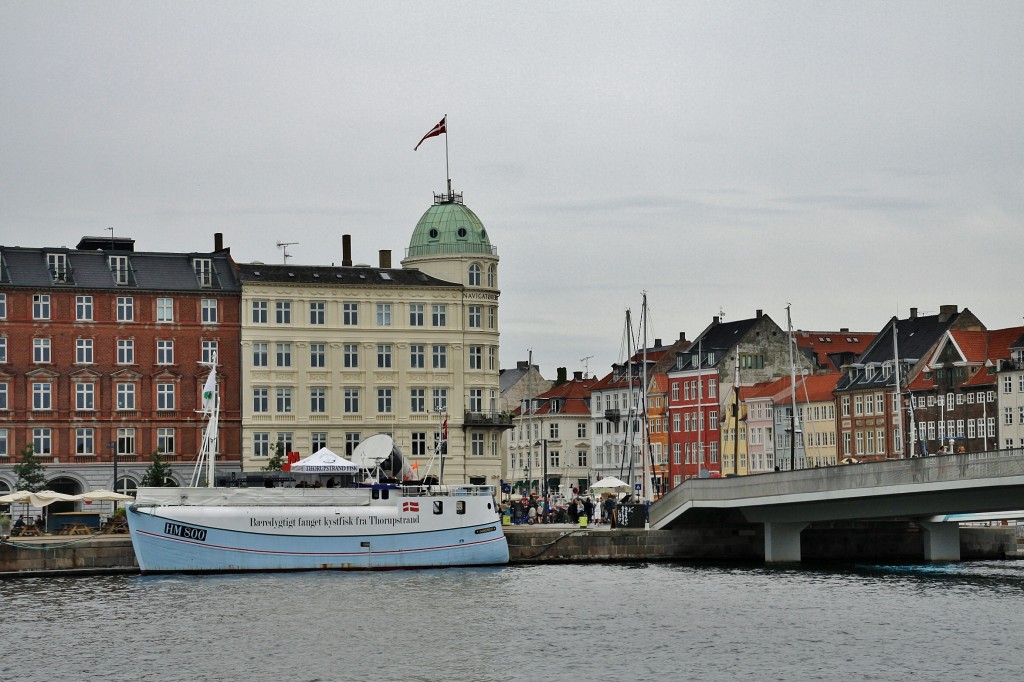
(447, 172)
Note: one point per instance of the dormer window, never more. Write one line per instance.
(57, 264)
(204, 271)
(119, 268)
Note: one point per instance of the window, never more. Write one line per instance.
(283, 312)
(317, 355)
(318, 440)
(261, 444)
(439, 316)
(203, 267)
(492, 314)
(42, 441)
(4, 404)
(440, 400)
(491, 275)
(41, 307)
(475, 316)
(351, 442)
(119, 269)
(208, 311)
(283, 354)
(384, 356)
(351, 400)
(1007, 384)
(491, 357)
(553, 431)
(879, 403)
(284, 400)
(208, 351)
(83, 308)
(417, 400)
(474, 275)
(3, 306)
(476, 357)
(383, 314)
(85, 442)
(317, 312)
(165, 310)
(477, 445)
(260, 354)
(383, 400)
(318, 400)
(439, 357)
(260, 399)
(350, 314)
(476, 402)
(350, 355)
(125, 396)
(417, 356)
(165, 397)
(42, 395)
(125, 351)
(83, 351)
(165, 440)
(581, 429)
(712, 388)
(126, 441)
(415, 314)
(260, 312)
(858, 406)
(125, 309)
(419, 443)
(1007, 416)
(165, 352)
(85, 396)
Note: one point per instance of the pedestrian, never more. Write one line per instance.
(610, 512)
(532, 514)
(588, 509)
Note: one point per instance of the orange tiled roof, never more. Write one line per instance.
(823, 344)
(813, 388)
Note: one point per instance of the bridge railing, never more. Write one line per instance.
(898, 472)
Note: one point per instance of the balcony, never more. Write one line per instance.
(492, 418)
(612, 415)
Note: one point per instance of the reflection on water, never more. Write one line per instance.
(574, 622)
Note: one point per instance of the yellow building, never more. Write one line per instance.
(333, 355)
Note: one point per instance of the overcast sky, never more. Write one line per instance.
(851, 158)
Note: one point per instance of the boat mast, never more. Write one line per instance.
(648, 493)
(627, 438)
(792, 380)
(211, 409)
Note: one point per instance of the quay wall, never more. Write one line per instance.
(565, 544)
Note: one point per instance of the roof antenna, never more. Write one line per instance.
(586, 366)
(284, 250)
(111, 238)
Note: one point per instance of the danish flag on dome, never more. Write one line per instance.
(440, 128)
(410, 506)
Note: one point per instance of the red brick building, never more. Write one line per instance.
(99, 355)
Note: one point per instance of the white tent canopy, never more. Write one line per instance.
(610, 483)
(38, 499)
(324, 461)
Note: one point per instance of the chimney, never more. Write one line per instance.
(947, 311)
(844, 330)
(346, 250)
(385, 258)
(682, 336)
(759, 313)
(913, 313)
(523, 364)
(218, 241)
(716, 320)
(561, 375)
(657, 343)
(577, 376)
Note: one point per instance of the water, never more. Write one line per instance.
(574, 622)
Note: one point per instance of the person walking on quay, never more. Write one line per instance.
(588, 509)
(609, 509)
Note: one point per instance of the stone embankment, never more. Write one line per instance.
(562, 543)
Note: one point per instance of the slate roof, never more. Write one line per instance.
(916, 336)
(26, 268)
(330, 275)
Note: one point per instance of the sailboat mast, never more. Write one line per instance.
(792, 380)
(627, 437)
(644, 436)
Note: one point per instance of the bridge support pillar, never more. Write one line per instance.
(782, 542)
(941, 540)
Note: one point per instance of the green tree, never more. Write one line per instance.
(158, 472)
(276, 463)
(30, 471)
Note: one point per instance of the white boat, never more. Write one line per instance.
(386, 524)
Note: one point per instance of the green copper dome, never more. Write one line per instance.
(449, 227)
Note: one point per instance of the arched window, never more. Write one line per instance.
(492, 275)
(474, 275)
(126, 486)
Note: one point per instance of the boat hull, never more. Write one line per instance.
(197, 538)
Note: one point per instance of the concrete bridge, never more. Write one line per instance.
(926, 490)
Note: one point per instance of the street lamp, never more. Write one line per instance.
(544, 483)
(113, 449)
